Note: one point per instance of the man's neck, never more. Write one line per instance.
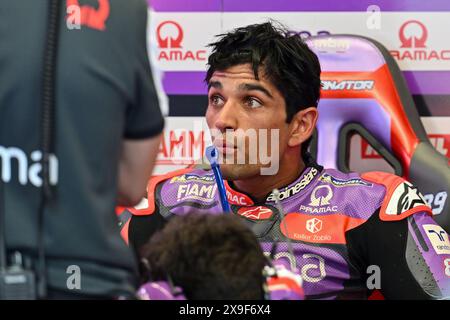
(260, 186)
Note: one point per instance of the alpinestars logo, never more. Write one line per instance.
(409, 199)
(289, 192)
(404, 198)
(255, 213)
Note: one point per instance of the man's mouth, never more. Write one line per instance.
(224, 147)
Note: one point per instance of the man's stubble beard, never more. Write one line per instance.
(232, 172)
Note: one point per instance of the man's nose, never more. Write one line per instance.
(227, 118)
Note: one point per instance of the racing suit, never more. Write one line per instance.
(350, 234)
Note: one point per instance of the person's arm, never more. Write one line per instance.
(412, 254)
(142, 228)
(135, 167)
(144, 118)
(137, 226)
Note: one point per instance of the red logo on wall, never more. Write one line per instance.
(90, 16)
(415, 40)
(413, 36)
(181, 147)
(441, 142)
(255, 213)
(368, 152)
(170, 34)
(165, 40)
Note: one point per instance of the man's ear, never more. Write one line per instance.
(302, 126)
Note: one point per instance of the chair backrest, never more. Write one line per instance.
(364, 92)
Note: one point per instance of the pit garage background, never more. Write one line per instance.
(415, 32)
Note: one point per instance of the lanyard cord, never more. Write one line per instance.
(47, 132)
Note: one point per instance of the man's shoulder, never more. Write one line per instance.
(402, 199)
(347, 194)
(361, 195)
(161, 190)
(189, 182)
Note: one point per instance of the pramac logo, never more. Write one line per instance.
(166, 41)
(413, 36)
(170, 35)
(415, 40)
(86, 15)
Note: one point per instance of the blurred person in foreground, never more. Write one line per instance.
(206, 257)
(64, 170)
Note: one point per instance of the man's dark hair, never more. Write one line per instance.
(285, 59)
(209, 256)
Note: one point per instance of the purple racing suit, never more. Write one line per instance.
(350, 233)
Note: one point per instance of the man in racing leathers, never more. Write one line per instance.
(350, 233)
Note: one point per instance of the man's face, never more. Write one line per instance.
(239, 108)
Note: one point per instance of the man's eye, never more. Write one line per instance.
(216, 100)
(253, 103)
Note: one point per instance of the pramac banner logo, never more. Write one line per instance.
(170, 36)
(413, 36)
(166, 41)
